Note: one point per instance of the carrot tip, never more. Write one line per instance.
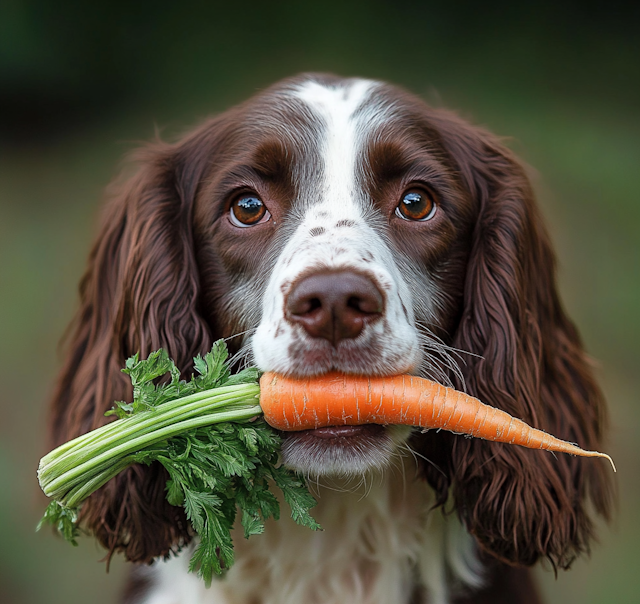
(610, 460)
(598, 454)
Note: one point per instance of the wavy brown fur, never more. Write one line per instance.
(519, 504)
(140, 293)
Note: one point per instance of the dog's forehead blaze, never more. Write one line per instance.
(347, 113)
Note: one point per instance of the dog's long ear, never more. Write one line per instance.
(140, 293)
(520, 504)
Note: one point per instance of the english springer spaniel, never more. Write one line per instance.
(343, 224)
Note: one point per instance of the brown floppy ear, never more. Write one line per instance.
(140, 293)
(520, 504)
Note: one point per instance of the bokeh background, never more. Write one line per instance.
(82, 82)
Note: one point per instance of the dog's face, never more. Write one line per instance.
(342, 232)
(344, 224)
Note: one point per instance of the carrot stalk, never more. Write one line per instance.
(338, 400)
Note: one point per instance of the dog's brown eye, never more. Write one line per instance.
(416, 204)
(248, 210)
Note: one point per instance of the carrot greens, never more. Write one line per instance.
(221, 456)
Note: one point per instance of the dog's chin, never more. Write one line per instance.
(343, 451)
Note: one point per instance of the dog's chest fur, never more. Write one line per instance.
(381, 544)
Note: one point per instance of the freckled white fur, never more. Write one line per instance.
(379, 537)
(347, 122)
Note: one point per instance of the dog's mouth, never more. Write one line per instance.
(344, 432)
(344, 451)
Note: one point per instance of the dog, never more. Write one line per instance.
(343, 224)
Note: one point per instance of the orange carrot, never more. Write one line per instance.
(339, 400)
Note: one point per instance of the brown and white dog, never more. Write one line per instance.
(343, 224)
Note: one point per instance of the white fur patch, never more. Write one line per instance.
(341, 141)
(341, 216)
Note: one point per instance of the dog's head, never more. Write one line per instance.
(344, 224)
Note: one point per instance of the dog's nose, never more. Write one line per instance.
(334, 305)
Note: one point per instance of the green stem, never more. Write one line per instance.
(77, 495)
(99, 434)
(89, 468)
(54, 471)
(142, 423)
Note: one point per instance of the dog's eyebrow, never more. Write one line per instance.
(388, 159)
(270, 162)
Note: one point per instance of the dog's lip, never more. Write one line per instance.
(345, 432)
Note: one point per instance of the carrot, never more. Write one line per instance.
(339, 400)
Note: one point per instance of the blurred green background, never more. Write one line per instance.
(82, 82)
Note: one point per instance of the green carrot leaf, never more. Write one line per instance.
(120, 409)
(297, 496)
(216, 467)
(65, 521)
(213, 369)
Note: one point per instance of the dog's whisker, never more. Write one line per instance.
(243, 357)
(442, 364)
(240, 333)
(424, 327)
